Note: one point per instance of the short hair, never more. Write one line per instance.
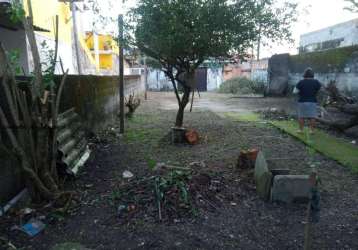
(308, 73)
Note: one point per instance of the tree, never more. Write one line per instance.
(353, 6)
(182, 34)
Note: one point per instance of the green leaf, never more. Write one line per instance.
(151, 164)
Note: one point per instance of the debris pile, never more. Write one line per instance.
(275, 114)
(338, 110)
(171, 193)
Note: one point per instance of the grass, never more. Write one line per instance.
(330, 146)
(140, 129)
(243, 117)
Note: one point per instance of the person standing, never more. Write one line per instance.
(307, 90)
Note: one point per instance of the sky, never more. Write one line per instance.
(314, 15)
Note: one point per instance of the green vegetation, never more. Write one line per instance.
(323, 61)
(16, 12)
(181, 35)
(243, 86)
(243, 117)
(140, 129)
(330, 146)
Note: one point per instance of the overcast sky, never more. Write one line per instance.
(315, 14)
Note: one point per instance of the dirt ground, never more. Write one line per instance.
(240, 220)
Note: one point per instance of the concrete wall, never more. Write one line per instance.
(215, 78)
(95, 98)
(340, 35)
(157, 81)
(259, 71)
(346, 82)
(278, 70)
(340, 65)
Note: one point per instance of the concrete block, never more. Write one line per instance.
(291, 188)
(263, 177)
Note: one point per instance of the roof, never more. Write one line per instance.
(7, 23)
(353, 21)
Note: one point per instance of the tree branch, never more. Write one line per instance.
(29, 30)
(169, 73)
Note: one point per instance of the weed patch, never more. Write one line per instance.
(334, 148)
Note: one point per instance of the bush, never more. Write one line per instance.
(243, 86)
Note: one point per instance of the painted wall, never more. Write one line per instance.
(107, 49)
(340, 35)
(44, 17)
(215, 78)
(157, 81)
(259, 70)
(242, 69)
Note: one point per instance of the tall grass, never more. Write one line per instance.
(243, 86)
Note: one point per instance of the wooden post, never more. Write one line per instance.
(75, 36)
(121, 73)
(146, 78)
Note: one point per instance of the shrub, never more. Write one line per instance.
(242, 85)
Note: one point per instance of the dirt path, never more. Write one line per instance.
(239, 220)
(225, 103)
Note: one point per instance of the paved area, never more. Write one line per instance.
(225, 103)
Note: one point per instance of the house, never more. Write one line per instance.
(337, 36)
(233, 70)
(251, 69)
(80, 51)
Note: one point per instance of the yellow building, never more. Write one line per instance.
(88, 54)
(104, 49)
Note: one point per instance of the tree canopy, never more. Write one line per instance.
(182, 34)
(353, 5)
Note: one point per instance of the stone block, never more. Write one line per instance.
(291, 188)
(263, 177)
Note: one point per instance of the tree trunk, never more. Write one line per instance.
(184, 101)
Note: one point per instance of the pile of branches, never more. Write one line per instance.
(28, 120)
(170, 194)
(338, 110)
(275, 114)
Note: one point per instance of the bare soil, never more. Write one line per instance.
(236, 219)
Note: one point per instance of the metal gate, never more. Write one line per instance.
(201, 78)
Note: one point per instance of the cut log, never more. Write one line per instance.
(336, 96)
(352, 132)
(350, 109)
(333, 117)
